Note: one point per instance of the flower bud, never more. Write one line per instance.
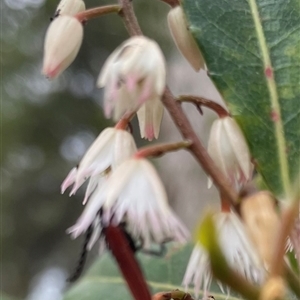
(62, 43)
(228, 148)
(274, 289)
(69, 7)
(260, 217)
(183, 38)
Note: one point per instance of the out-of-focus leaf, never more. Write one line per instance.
(252, 50)
(103, 281)
(4, 296)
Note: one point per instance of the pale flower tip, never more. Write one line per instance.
(184, 40)
(149, 132)
(62, 42)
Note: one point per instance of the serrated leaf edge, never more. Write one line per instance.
(279, 130)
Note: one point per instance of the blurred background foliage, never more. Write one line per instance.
(46, 128)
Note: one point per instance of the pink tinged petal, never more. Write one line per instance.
(70, 179)
(89, 213)
(131, 83)
(150, 117)
(146, 92)
(62, 43)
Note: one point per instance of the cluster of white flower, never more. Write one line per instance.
(125, 186)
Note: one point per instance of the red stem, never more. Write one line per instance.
(128, 265)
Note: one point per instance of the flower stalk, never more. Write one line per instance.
(124, 121)
(172, 3)
(200, 101)
(180, 119)
(161, 149)
(97, 12)
(128, 265)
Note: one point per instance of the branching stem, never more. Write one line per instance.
(97, 12)
(158, 150)
(200, 101)
(180, 119)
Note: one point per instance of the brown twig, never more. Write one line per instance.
(157, 150)
(200, 101)
(97, 12)
(180, 119)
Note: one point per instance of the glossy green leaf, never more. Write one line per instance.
(252, 50)
(103, 281)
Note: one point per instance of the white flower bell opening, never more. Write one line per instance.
(110, 149)
(135, 74)
(237, 249)
(134, 193)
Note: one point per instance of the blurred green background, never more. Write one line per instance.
(46, 128)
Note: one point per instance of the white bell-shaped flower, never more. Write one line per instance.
(133, 74)
(150, 116)
(62, 43)
(69, 7)
(110, 149)
(229, 150)
(135, 194)
(237, 248)
(183, 38)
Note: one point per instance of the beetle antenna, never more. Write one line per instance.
(83, 255)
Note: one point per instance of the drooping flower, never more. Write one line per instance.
(62, 43)
(237, 249)
(110, 149)
(134, 74)
(183, 38)
(229, 150)
(69, 7)
(134, 193)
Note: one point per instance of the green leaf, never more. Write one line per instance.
(103, 281)
(252, 50)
